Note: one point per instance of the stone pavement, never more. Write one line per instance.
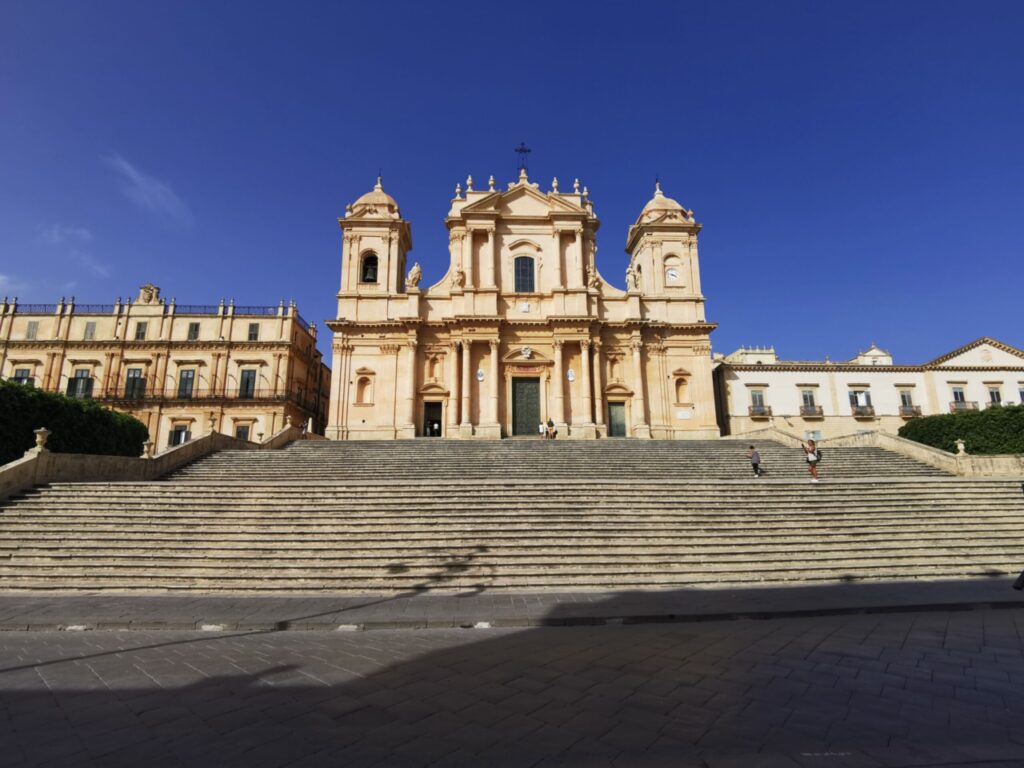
(45, 611)
(896, 689)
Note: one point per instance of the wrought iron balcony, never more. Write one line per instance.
(136, 398)
(760, 411)
(863, 411)
(811, 411)
(963, 405)
(994, 404)
(910, 411)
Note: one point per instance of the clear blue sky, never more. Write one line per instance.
(858, 168)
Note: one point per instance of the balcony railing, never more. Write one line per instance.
(260, 311)
(910, 411)
(811, 411)
(302, 323)
(760, 411)
(93, 309)
(963, 405)
(994, 404)
(863, 411)
(196, 309)
(174, 396)
(36, 309)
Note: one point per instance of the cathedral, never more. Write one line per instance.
(522, 329)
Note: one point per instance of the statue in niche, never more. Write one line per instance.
(458, 279)
(414, 276)
(593, 281)
(632, 278)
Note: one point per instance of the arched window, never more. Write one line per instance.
(368, 274)
(524, 274)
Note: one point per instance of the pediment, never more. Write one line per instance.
(981, 353)
(618, 388)
(519, 356)
(523, 244)
(523, 200)
(364, 371)
(681, 372)
(434, 388)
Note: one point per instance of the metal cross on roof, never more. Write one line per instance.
(522, 150)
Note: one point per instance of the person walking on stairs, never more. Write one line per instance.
(755, 460)
(813, 456)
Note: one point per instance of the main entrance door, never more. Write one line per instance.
(525, 406)
(432, 419)
(616, 419)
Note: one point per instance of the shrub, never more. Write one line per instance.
(78, 426)
(994, 430)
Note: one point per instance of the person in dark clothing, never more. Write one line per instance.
(755, 460)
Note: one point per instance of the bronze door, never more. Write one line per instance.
(525, 406)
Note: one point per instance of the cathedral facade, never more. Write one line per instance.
(522, 329)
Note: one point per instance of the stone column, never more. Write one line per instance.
(598, 384)
(640, 428)
(467, 347)
(489, 259)
(495, 384)
(556, 261)
(467, 258)
(453, 386)
(275, 372)
(575, 262)
(410, 394)
(588, 413)
(559, 385)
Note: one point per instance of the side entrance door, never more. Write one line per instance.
(525, 406)
(616, 419)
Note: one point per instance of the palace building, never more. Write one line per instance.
(183, 370)
(824, 398)
(522, 328)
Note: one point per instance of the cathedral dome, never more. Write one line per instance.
(376, 202)
(660, 204)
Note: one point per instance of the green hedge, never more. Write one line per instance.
(78, 426)
(993, 430)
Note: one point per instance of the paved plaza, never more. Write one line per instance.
(888, 689)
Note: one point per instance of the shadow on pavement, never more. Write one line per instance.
(901, 689)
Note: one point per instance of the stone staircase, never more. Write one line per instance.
(515, 515)
(532, 460)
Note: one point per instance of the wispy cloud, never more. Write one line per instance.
(149, 192)
(87, 261)
(10, 285)
(63, 233)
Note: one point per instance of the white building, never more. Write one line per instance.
(754, 389)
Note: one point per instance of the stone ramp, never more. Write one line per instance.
(531, 460)
(383, 535)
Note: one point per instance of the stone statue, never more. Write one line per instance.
(414, 276)
(593, 281)
(458, 279)
(632, 279)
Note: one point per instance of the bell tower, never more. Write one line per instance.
(375, 242)
(662, 248)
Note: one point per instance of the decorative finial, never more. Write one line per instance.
(657, 188)
(554, 184)
(586, 192)
(458, 191)
(469, 183)
(490, 184)
(378, 185)
(576, 186)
